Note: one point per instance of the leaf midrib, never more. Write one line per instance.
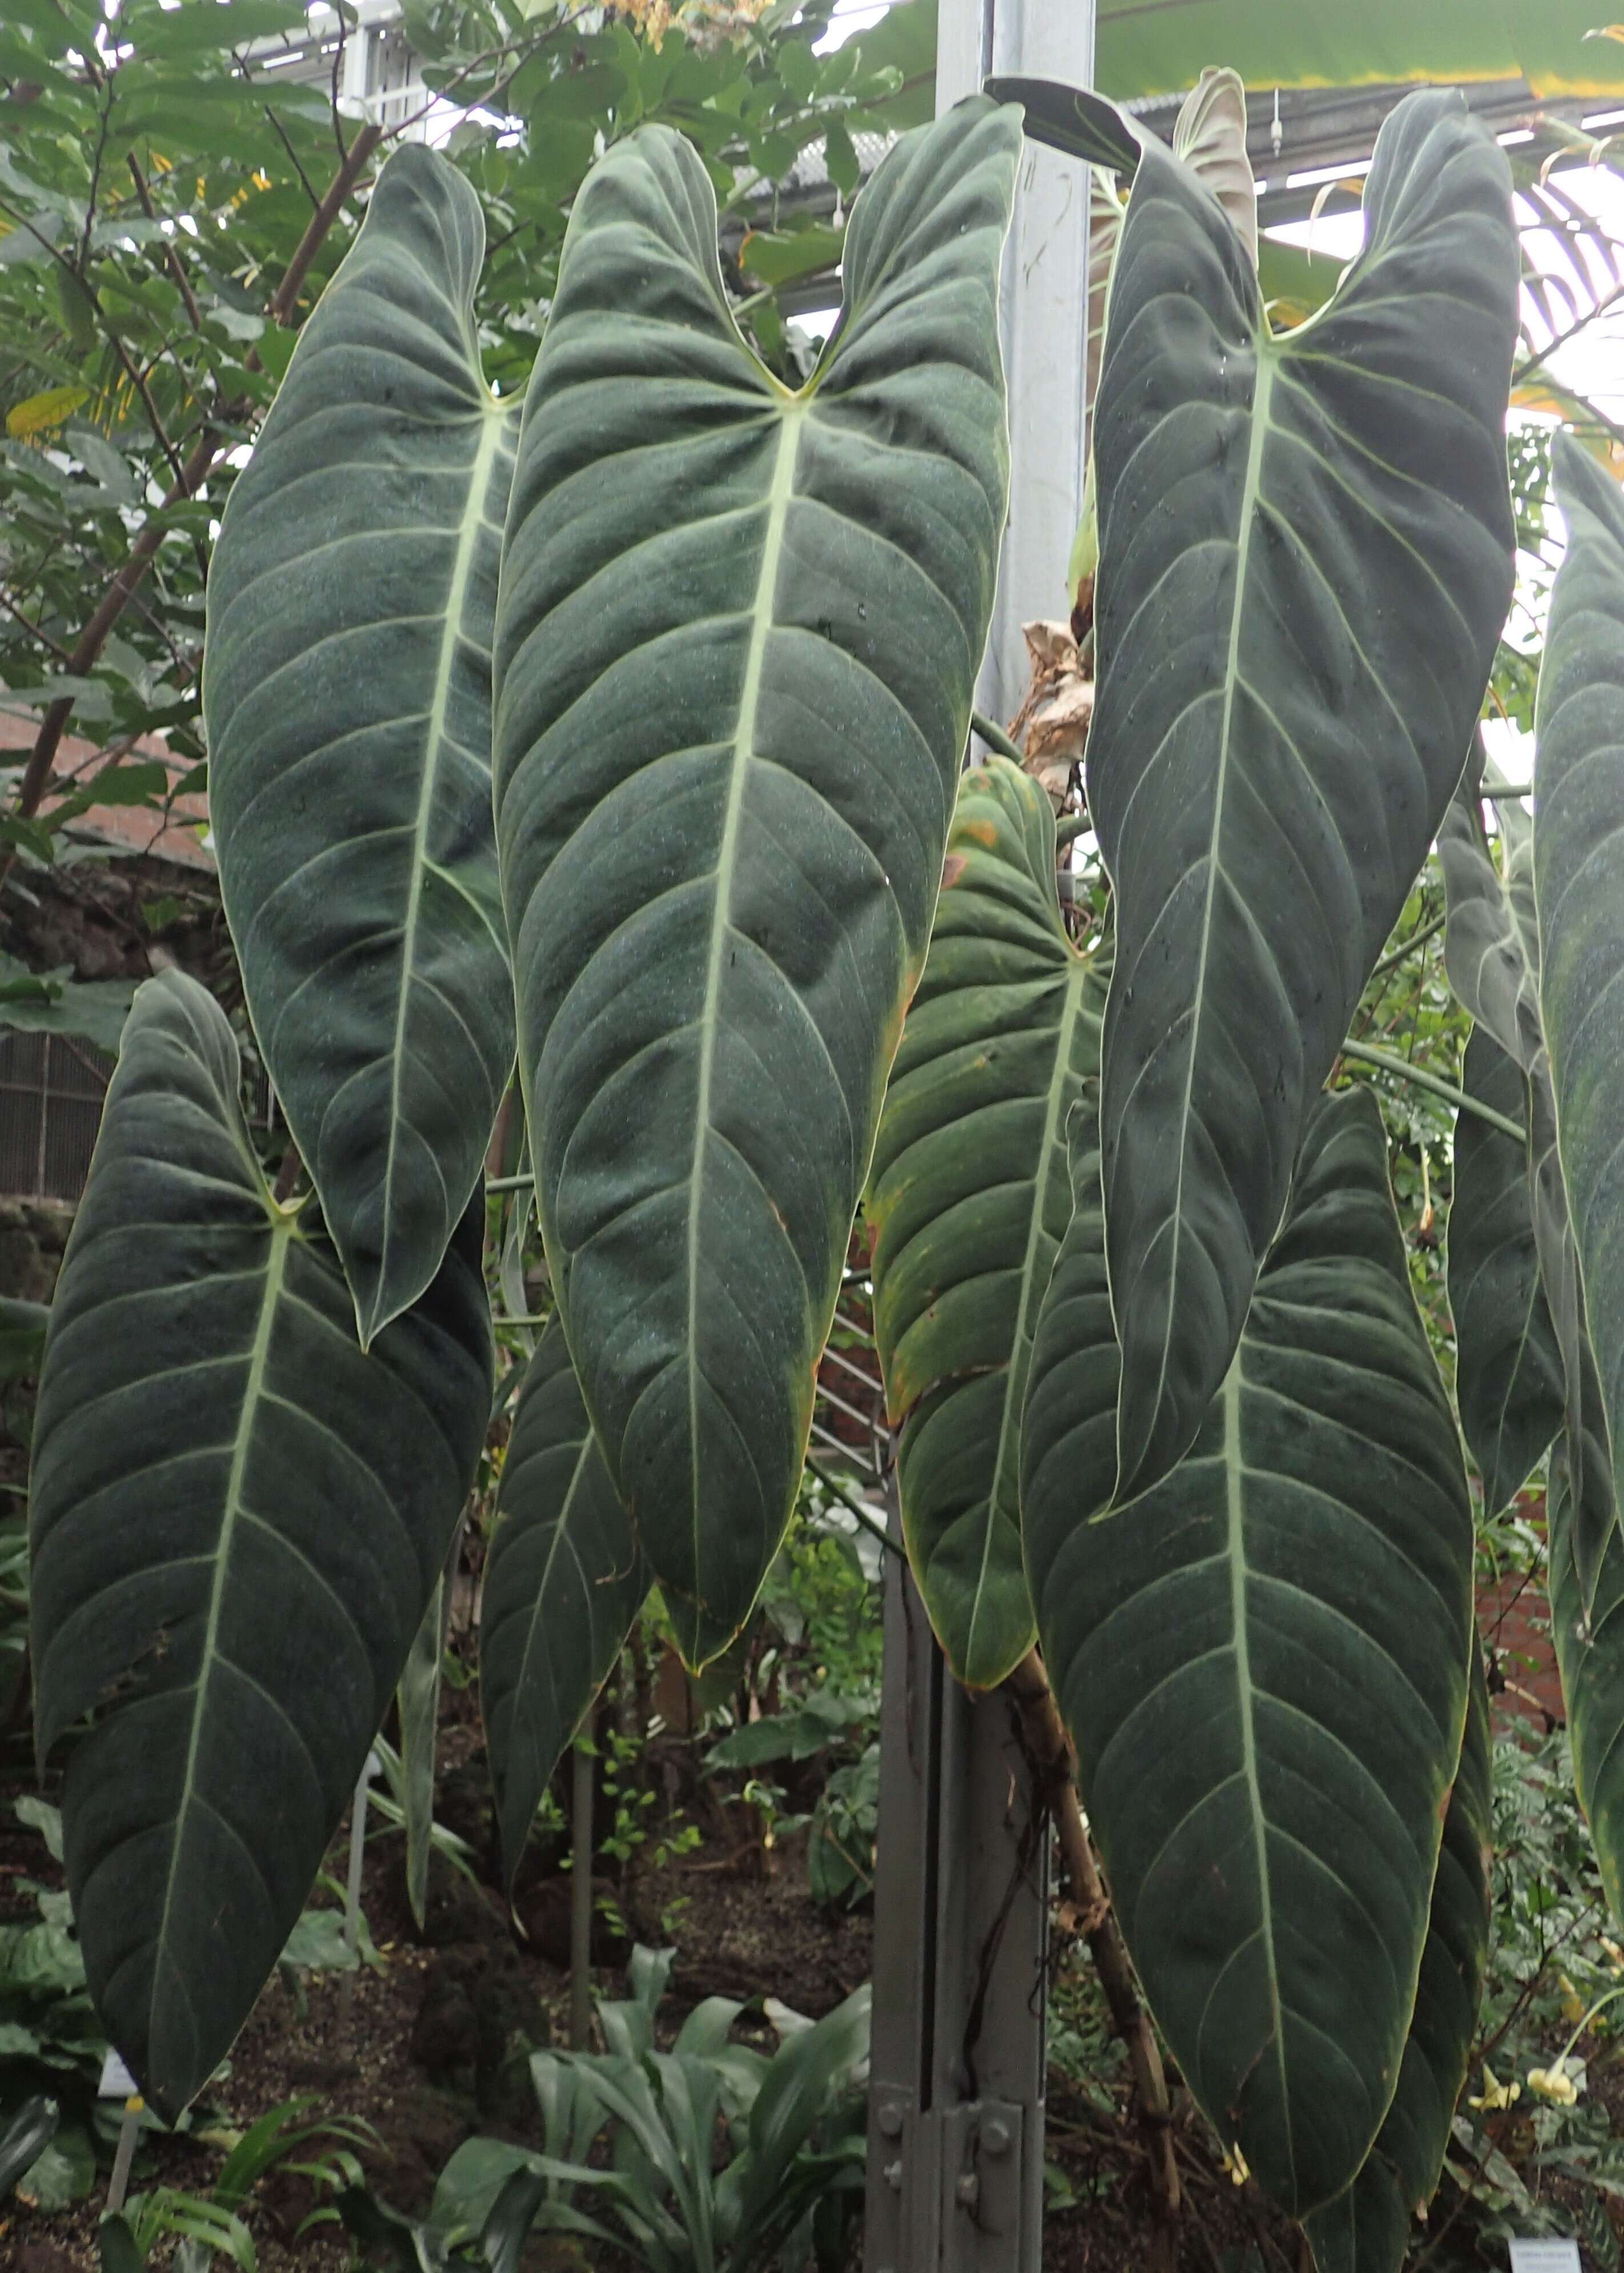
(1236, 1503)
(283, 1232)
(536, 1624)
(1257, 439)
(1053, 1141)
(780, 490)
(494, 424)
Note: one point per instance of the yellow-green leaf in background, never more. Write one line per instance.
(781, 256)
(42, 412)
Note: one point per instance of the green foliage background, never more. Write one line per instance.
(158, 177)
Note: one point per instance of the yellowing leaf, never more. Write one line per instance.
(41, 412)
(1607, 32)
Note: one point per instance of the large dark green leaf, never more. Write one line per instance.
(1585, 1435)
(738, 633)
(970, 1193)
(1508, 1370)
(1491, 953)
(1306, 559)
(1589, 1652)
(1209, 136)
(237, 1518)
(1367, 2230)
(347, 680)
(1263, 1661)
(563, 1582)
(1578, 858)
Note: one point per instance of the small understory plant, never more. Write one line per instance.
(783, 2185)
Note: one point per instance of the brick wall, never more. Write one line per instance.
(134, 826)
(1514, 1619)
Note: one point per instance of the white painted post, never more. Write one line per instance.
(1042, 318)
(357, 69)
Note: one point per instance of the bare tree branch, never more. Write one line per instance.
(189, 478)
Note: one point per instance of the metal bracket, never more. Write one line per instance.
(950, 2190)
(982, 2191)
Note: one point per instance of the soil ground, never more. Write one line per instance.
(421, 2052)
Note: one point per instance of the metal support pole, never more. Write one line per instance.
(956, 2091)
(1042, 318)
(960, 1914)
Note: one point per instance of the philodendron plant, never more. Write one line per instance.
(626, 732)
(629, 726)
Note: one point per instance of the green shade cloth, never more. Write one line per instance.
(1158, 47)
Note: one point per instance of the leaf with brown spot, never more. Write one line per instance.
(968, 1199)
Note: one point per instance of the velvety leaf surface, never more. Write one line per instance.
(1578, 860)
(1587, 1626)
(563, 1581)
(738, 634)
(1492, 953)
(970, 1194)
(1263, 1661)
(238, 1519)
(1306, 559)
(1368, 2229)
(347, 678)
(1588, 1454)
(1508, 1364)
